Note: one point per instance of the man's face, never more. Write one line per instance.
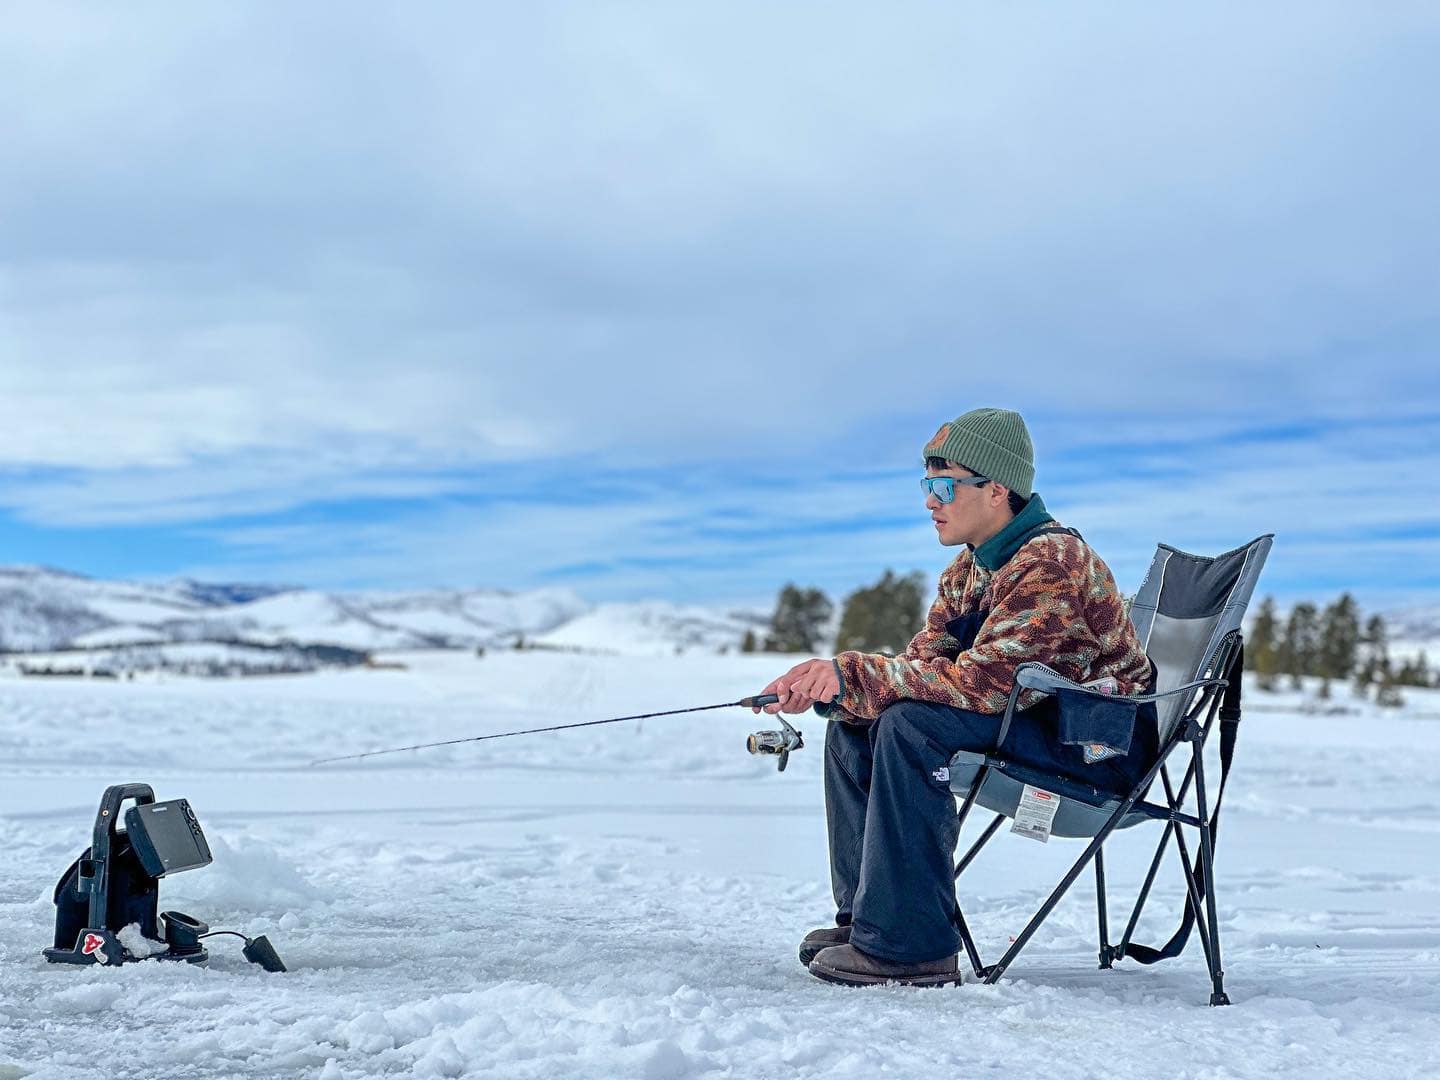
(970, 516)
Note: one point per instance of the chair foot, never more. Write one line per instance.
(1108, 955)
(1219, 998)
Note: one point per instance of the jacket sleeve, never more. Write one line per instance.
(1036, 614)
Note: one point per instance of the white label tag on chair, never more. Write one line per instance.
(1035, 813)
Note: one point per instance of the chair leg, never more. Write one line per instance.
(1199, 880)
(1170, 826)
(1194, 897)
(985, 836)
(1106, 953)
(966, 939)
(993, 973)
(1207, 865)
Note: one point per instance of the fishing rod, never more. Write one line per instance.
(778, 743)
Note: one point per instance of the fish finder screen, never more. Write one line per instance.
(166, 837)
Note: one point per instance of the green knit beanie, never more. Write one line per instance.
(991, 442)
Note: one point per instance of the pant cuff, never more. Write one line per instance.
(869, 941)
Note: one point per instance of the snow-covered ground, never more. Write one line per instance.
(625, 901)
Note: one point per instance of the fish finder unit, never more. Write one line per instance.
(166, 837)
(115, 884)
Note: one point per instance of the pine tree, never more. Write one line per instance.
(1301, 646)
(883, 617)
(1285, 652)
(1414, 672)
(1364, 676)
(749, 643)
(1373, 655)
(1262, 650)
(1375, 641)
(1388, 694)
(799, 620)
(1339, 638)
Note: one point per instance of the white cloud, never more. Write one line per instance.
(491, 235)
(252, 259)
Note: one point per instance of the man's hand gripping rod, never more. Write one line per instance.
(762, 742)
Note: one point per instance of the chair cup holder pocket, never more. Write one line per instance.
(1100, 726)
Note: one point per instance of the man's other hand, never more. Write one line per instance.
(802, 686)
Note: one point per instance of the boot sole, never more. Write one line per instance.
(853, 978)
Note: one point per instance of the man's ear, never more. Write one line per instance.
(999, 493)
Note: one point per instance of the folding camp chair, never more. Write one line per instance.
(1187, 614)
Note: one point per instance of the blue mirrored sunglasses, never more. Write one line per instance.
(943, 487)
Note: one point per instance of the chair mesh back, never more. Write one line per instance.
(1186, 607)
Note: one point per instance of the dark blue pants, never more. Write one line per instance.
(893, 828)
(892, 819)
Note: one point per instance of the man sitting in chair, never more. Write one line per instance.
(1023, 588)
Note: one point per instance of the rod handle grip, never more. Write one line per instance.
(757, 701)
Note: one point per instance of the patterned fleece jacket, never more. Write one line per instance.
(1050, 598)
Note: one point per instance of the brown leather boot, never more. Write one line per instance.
(823, 938)
(848, 966)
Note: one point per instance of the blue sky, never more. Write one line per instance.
(662, 300)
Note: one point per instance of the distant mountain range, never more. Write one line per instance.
(131, 625)
(48, 610)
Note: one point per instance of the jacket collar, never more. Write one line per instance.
(1001, 548)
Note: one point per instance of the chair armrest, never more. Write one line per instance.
(1036, 676)
(1185, 689)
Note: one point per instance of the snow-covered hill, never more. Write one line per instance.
(654, 628)
(41, 608)
(1417, 623)
(45, 610)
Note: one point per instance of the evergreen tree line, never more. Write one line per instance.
(882, 617)
(1333, 644)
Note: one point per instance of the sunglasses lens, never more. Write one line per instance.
(942, 487)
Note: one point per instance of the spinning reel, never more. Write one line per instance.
(779, 743)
